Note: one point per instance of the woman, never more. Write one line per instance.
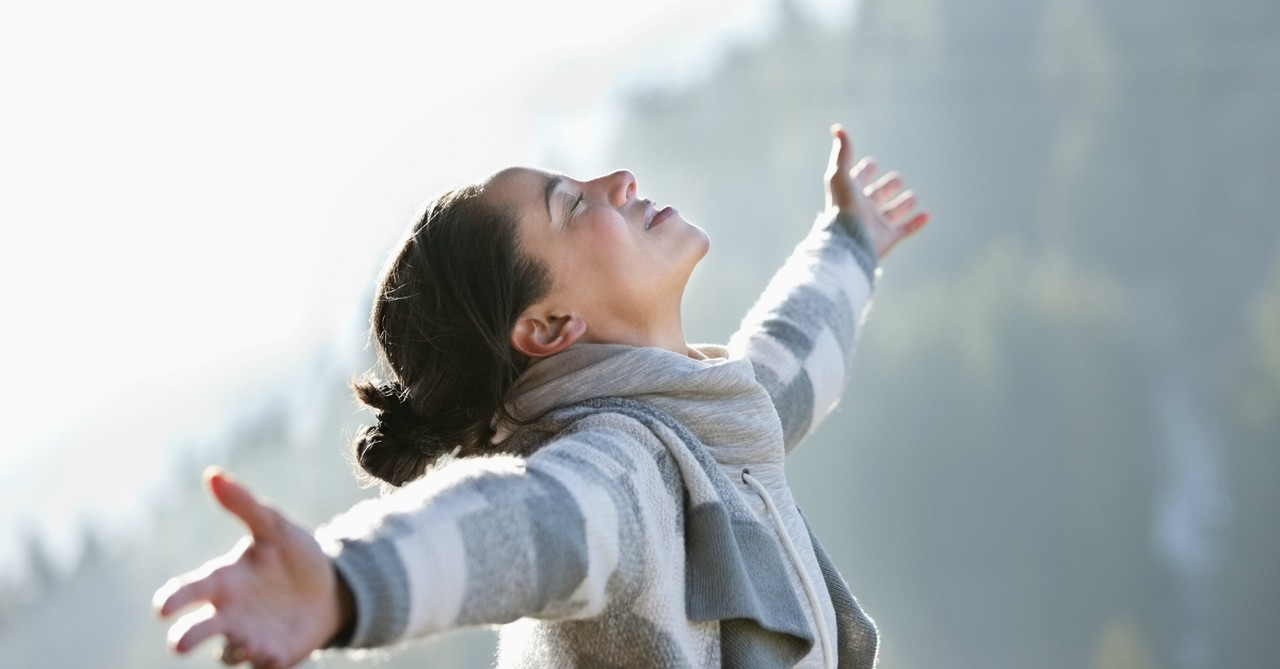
(614, 493)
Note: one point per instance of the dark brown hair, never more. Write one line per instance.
(442, 319)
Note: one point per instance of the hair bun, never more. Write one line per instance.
(400, 446)
(391, 402)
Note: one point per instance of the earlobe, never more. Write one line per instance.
(539, 337)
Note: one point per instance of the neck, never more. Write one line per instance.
(665, 334)
(668, 333)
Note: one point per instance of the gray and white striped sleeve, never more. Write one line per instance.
(489, 540)
(800, 334)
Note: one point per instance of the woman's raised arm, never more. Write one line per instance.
(800, 334)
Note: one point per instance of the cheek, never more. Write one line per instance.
(620, 268)
(609, 246)
(594, 258)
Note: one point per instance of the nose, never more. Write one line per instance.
(620, 186)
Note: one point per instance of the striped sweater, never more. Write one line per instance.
(644, 519)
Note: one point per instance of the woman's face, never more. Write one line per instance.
(618, 261)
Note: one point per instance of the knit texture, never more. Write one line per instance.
(619, 531)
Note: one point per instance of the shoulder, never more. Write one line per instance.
(602, 418)
(605, 433)
(630, 467)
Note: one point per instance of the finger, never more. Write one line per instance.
(906, 230)
(899, 207)
(884, 188)
(199, 585)
(194, 628)
(233, 653)
(864, 171)
(178, 594)
(268, 663)
(262, 520)
(841, 150)
(270, 656)
(918, 221)
(839, 187)
(841, 155)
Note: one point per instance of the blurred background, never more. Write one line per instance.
(1061, 444)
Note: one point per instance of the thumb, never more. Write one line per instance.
(841, 151)
(262, 520)
(839, 182)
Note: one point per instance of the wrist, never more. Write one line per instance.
(346, 609)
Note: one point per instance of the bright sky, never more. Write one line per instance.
(173, 172)
(189, 190)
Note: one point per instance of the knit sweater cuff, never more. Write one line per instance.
(379, 589)
(857, 239)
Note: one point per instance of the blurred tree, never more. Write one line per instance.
(1030, 448)
(1005, 484)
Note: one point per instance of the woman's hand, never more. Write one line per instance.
(274, 596)
(888, 215)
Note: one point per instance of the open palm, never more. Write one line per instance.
(888, 212)
(273, 597)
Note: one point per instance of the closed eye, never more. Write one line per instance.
(573, 207)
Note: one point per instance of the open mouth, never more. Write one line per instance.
(654, 216)
(660, 216)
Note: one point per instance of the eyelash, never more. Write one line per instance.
(577, 202)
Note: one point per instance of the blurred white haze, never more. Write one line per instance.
(196, 197)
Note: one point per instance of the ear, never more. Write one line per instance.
(538, 334)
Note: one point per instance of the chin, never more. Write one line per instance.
(697, 249)
(704, 247)
(702, 241)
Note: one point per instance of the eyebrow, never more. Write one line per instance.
(552, 184)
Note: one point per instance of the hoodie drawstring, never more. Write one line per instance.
(824, 636)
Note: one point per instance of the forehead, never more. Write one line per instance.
(523, 191)
(517, 176)
(519, 187)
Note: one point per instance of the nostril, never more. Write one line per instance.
(627, 181)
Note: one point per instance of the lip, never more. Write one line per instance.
(662, 215)
(653, 218)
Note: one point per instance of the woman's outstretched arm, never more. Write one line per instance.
(488, 540)
(482, 540)
(800, 334)
(275, 597)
